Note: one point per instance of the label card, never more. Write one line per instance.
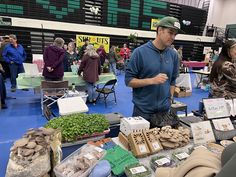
(182, 155)
(142, 148)
(156, 146)
(137, 170)
(162, 161)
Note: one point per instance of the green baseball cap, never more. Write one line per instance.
(170, 22)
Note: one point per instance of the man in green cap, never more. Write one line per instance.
(152, 72)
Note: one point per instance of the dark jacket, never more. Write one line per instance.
(81, 52)
(53, 57)
(91, 68)
(3, 45)
(2, 90)
(17, 55)
(112, 57)
(68, 61)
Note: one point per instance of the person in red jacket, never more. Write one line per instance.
(53, 57)
(125, 52)
(91, 68)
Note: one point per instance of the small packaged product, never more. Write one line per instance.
(81, 162)
(137, 170)
(161, 161)
(180, 156)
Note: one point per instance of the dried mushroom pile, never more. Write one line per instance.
(34, 143)
(173, 138)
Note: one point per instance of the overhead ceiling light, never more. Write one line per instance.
(94, 10)
(187, 23)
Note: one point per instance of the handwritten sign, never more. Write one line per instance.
(202, 133)
(216, 108)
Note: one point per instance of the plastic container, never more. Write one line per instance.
(161, 161)
(180, 156)
(81, 162)
(137, 170)
(71, 105)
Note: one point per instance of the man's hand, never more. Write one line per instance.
(50, 69)
(159, 79)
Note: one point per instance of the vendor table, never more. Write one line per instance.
(201, 73)
(25, 82)
(145, 161)
(193, 64)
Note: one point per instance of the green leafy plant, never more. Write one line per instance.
(76, 126)
(133, 37)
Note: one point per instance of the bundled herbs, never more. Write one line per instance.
(137, 170)
(160, 161)
(76, 126)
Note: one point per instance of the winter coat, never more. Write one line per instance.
(225, 84)
(53, 56)
(91, 68)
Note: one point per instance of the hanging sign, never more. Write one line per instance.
(154, 24)
(96, 41)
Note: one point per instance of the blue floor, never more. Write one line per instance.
(24, 112)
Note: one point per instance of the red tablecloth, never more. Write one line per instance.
(192, 64)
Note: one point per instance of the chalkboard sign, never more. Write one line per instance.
(216, 108)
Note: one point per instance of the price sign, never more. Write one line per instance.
(216, 108)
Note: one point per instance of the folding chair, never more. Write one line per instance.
(51, 91)
(106, 90)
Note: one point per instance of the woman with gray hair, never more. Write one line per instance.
(91, 68)
(53, 57)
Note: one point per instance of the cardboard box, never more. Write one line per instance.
(179, 94)
(182, 94)
(188, 93)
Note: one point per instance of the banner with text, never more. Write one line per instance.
(96, 41)
(154, 24)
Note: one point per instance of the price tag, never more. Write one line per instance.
(162, 161)
(98, 149)
(137, 170)
(156, 146)
(89, 156)
(142, 148)
(182, 156)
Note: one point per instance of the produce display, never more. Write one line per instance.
(137, 170)
(30, 155)
(80, 163)
(77, 126)
(173, 138)
(119, 159)
(34, 143)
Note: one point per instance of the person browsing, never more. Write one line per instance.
(152, 72)
(14, 54)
